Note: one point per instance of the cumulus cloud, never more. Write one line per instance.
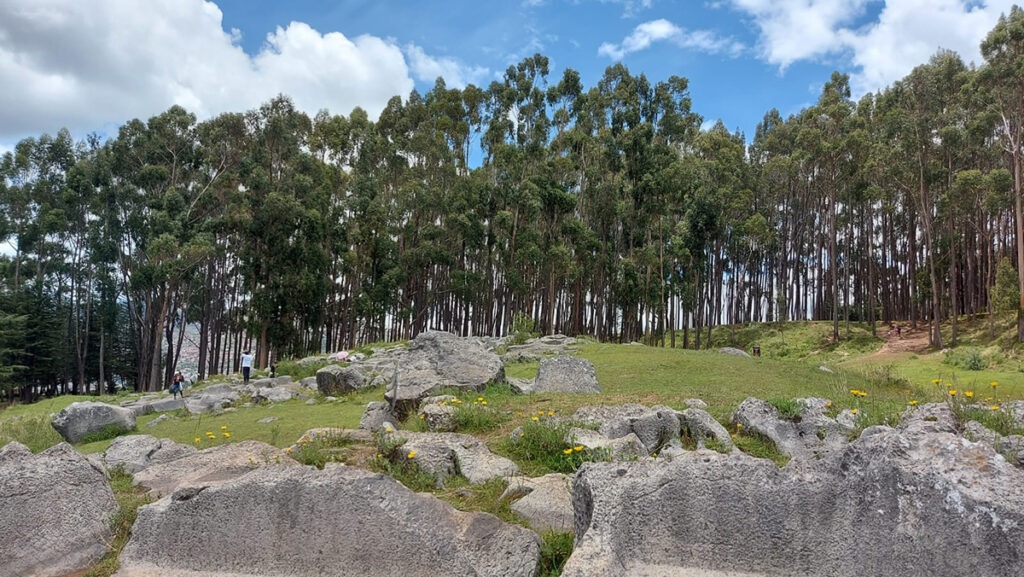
(661, 30)
(93, 64)
(427, 68)
(905, 33)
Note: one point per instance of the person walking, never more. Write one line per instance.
(246, 366)
(176, 385)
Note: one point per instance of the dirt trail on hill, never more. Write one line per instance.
(909, 341)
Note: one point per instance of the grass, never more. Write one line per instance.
(129, 499)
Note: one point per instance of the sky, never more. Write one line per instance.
(92, 65)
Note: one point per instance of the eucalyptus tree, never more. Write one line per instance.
(1003, 50)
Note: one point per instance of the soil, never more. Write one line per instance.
(910, 341)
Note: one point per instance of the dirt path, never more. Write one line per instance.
(909, 341)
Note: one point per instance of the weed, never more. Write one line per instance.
(789, 409)
(761, 447)
(542, 447)
(555, 550)
(399, 464)
(486, 497)
(523, 329)
(321, 449)
(107, 432)
(967, 358)
(35, 432)
(129, 499)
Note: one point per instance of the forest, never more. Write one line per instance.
(611, 211)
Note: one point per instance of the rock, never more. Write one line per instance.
(137, 452)
(695, 404)
(436, 360)
(625, 448)
(733, 351)
(273, 395)
(439, 417)
(546, 502)
(447, 454)
(310, 401)
(157, 421)
(810, 434)
(566, 375)
(214, 398)
(520, 386)
(272, 382)
(825, 369)
(304, 522)
(701, 426)
(928, 418)
(309, 383)
(656, 427)
(78, 420)
(338, 380)
(210, 466)
(55, 511)
(267, 420)
(375, 415)
(890, 504)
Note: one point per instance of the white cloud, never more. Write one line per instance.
(905, 34)
(426, 68)
(662, 30)
(93, 64)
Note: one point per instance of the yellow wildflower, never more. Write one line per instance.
(423, 416)
(936, 381)
(952, 392)
(483, 402)
(969, 394)
(480, 398)
(387, 430)
(739, 425)
(567, 451)
(829, 404)
(223, 427)
(536, 419)
(227, 435)
(854, 411)
(994, 384)
(912, 403)
(209, 433)
(994, 407)
(198, 440)
(541, 413)
(578, 448)
(551, 413)
(411, 455)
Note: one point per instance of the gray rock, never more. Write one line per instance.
(625, 448)
(447, 454)
(309, 383)
(78, 420)
(811, 434)
(338, 380)
(55, 511)
(267, 420)
(210, 466)
(546, 502)
(436, 360)
(300, 522)
(565, 374)
(890, 504)
(375, 415)
(701, 426)
(137, 452)
(928, 418)
(520, 386)
(273, 395)
(733, 351)
(695, 404)
(656, 427)
(439, 417)
(164, 405)
(272, 382)
(310, 401)
(157, 421)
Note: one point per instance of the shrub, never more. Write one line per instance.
(967, 358)
(522, 329)
(789, 409)
(544, 447)
(319, 451)
(107, 432)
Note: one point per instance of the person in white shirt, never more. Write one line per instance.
(246, 366)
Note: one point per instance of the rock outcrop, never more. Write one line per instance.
(79, 420)
(135, 453)
(565, 374)
(211, 466)
(811, 433)
(55, 511)
(893, 503)
(307, 523)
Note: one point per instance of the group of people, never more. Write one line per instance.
(178, 380)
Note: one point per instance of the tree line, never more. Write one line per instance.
(604, 210)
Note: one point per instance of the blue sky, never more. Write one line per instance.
(91, 65)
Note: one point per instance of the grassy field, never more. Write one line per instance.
(791, 366)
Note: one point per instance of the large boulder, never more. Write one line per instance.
(55, 511)
(891, 504)
(213, 399)
(304, 522)
(210, 466)
(134, 453)
(565, 374)
(447, 454)
(79, 420)
(545, 502)
(811, 433)
(339, 380)
(437, 360)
